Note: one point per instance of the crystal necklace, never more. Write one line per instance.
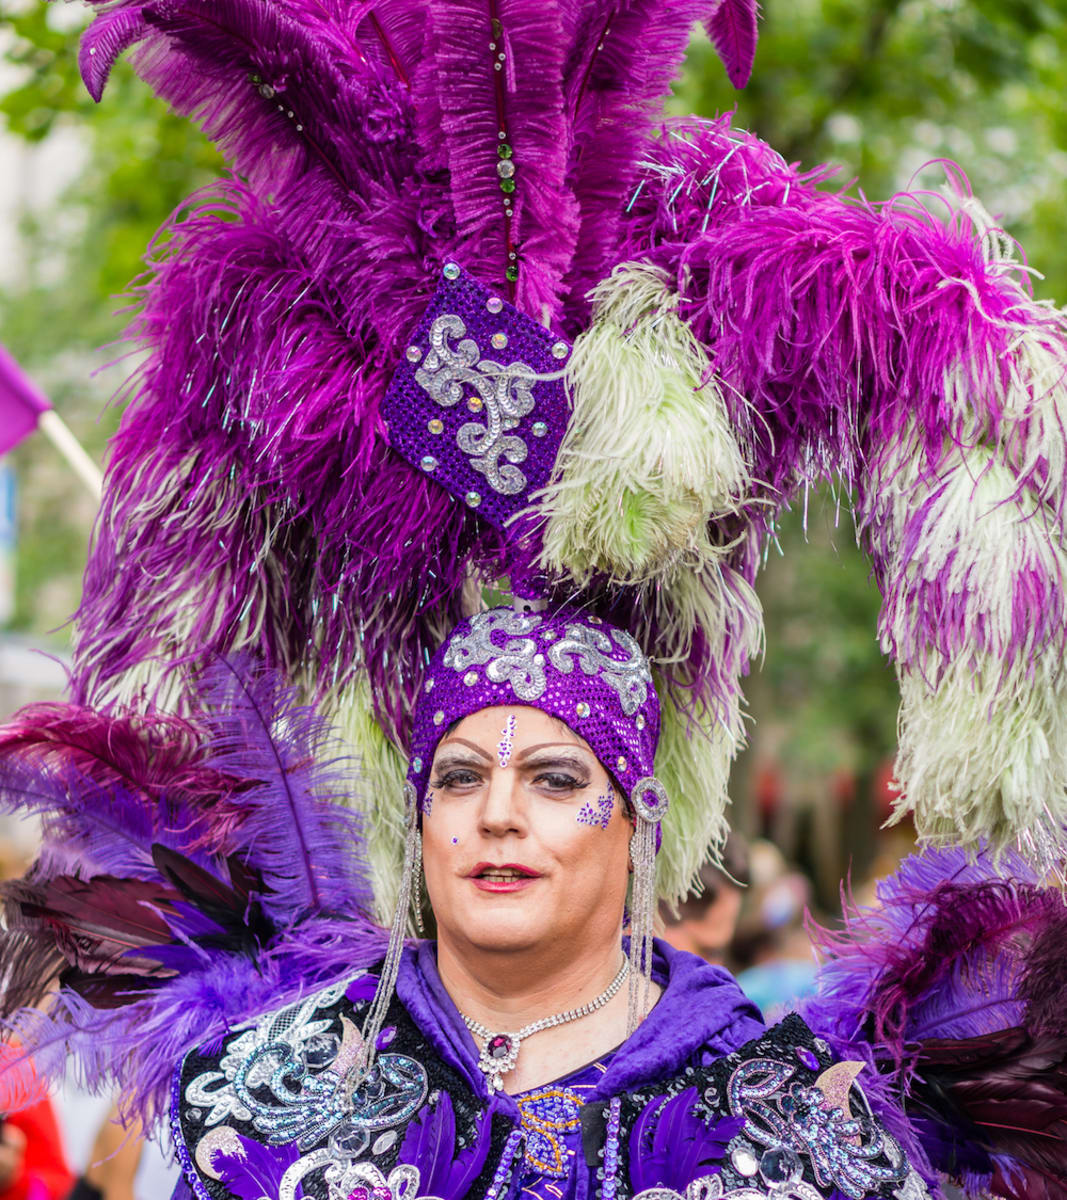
(500, 1051)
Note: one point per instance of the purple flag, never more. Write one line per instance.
(21, 403)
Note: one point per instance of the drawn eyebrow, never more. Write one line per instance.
(568, 746)
(470, 746)
(574, 761)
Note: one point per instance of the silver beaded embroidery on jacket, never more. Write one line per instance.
(355, 1179)
(506, 393)
(592, 649)
(517, 661)
(850, 1153)
(711, 1187)
(288, 1075)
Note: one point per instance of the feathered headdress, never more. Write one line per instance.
(320, 466)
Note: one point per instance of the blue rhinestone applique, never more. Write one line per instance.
(778, 1118)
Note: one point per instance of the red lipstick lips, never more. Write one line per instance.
(502, 877)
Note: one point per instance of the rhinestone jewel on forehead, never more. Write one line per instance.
(477, 400)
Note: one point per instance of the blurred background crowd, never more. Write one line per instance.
(883, 89)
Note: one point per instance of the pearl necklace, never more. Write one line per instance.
(501, 1050)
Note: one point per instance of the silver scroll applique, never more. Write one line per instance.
(517, 661)
(288, 1076)
(850, 1153)
(506, 394)
(591, 649)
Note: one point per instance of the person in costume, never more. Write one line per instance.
(201, 904)
(470, 317)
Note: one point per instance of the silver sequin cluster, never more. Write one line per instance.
(519, 661)
(505, 393)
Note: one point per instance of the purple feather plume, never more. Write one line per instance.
(671, 1145)
(244, 881)
(953, 990)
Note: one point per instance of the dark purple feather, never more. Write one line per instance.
(256, 1170)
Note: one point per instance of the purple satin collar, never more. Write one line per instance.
(701, 1008)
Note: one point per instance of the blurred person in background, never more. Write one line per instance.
(773, 956)
(124, 1165)
(705, 921)
(33, 1165)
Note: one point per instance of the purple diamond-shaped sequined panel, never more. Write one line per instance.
(477, 401)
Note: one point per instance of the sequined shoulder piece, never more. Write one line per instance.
(271, 1109)
(779, 1117)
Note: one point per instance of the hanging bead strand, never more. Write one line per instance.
(505, 153)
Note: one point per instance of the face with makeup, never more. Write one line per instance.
(525, 842)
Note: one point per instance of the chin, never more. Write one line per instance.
(504, 932)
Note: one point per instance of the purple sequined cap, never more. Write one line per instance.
(589, 674)
(466, 404)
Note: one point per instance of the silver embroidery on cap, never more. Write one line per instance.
(517, 661)
(592, 649)
(505, 391)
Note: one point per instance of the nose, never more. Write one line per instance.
(503, 809)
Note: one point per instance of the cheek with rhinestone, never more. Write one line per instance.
(507, 740)
(455, 841)
(598, 814)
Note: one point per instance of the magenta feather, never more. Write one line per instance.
(733, 29)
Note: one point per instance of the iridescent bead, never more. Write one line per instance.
(428, 462)
(539, 429)
(505, 168)
(439, 717)
(429, 686)
(473, 499)
(475, 403)
(494, 304)
(413, 353)
(620, 762)
(560, 350)
(416, 764)
(471, 678)
(499, 340)
(640, 721)
(582, 709)
(451, 270)
(436, 425)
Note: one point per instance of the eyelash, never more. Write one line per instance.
(452, 778)
(557, 781)
(563, 782)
